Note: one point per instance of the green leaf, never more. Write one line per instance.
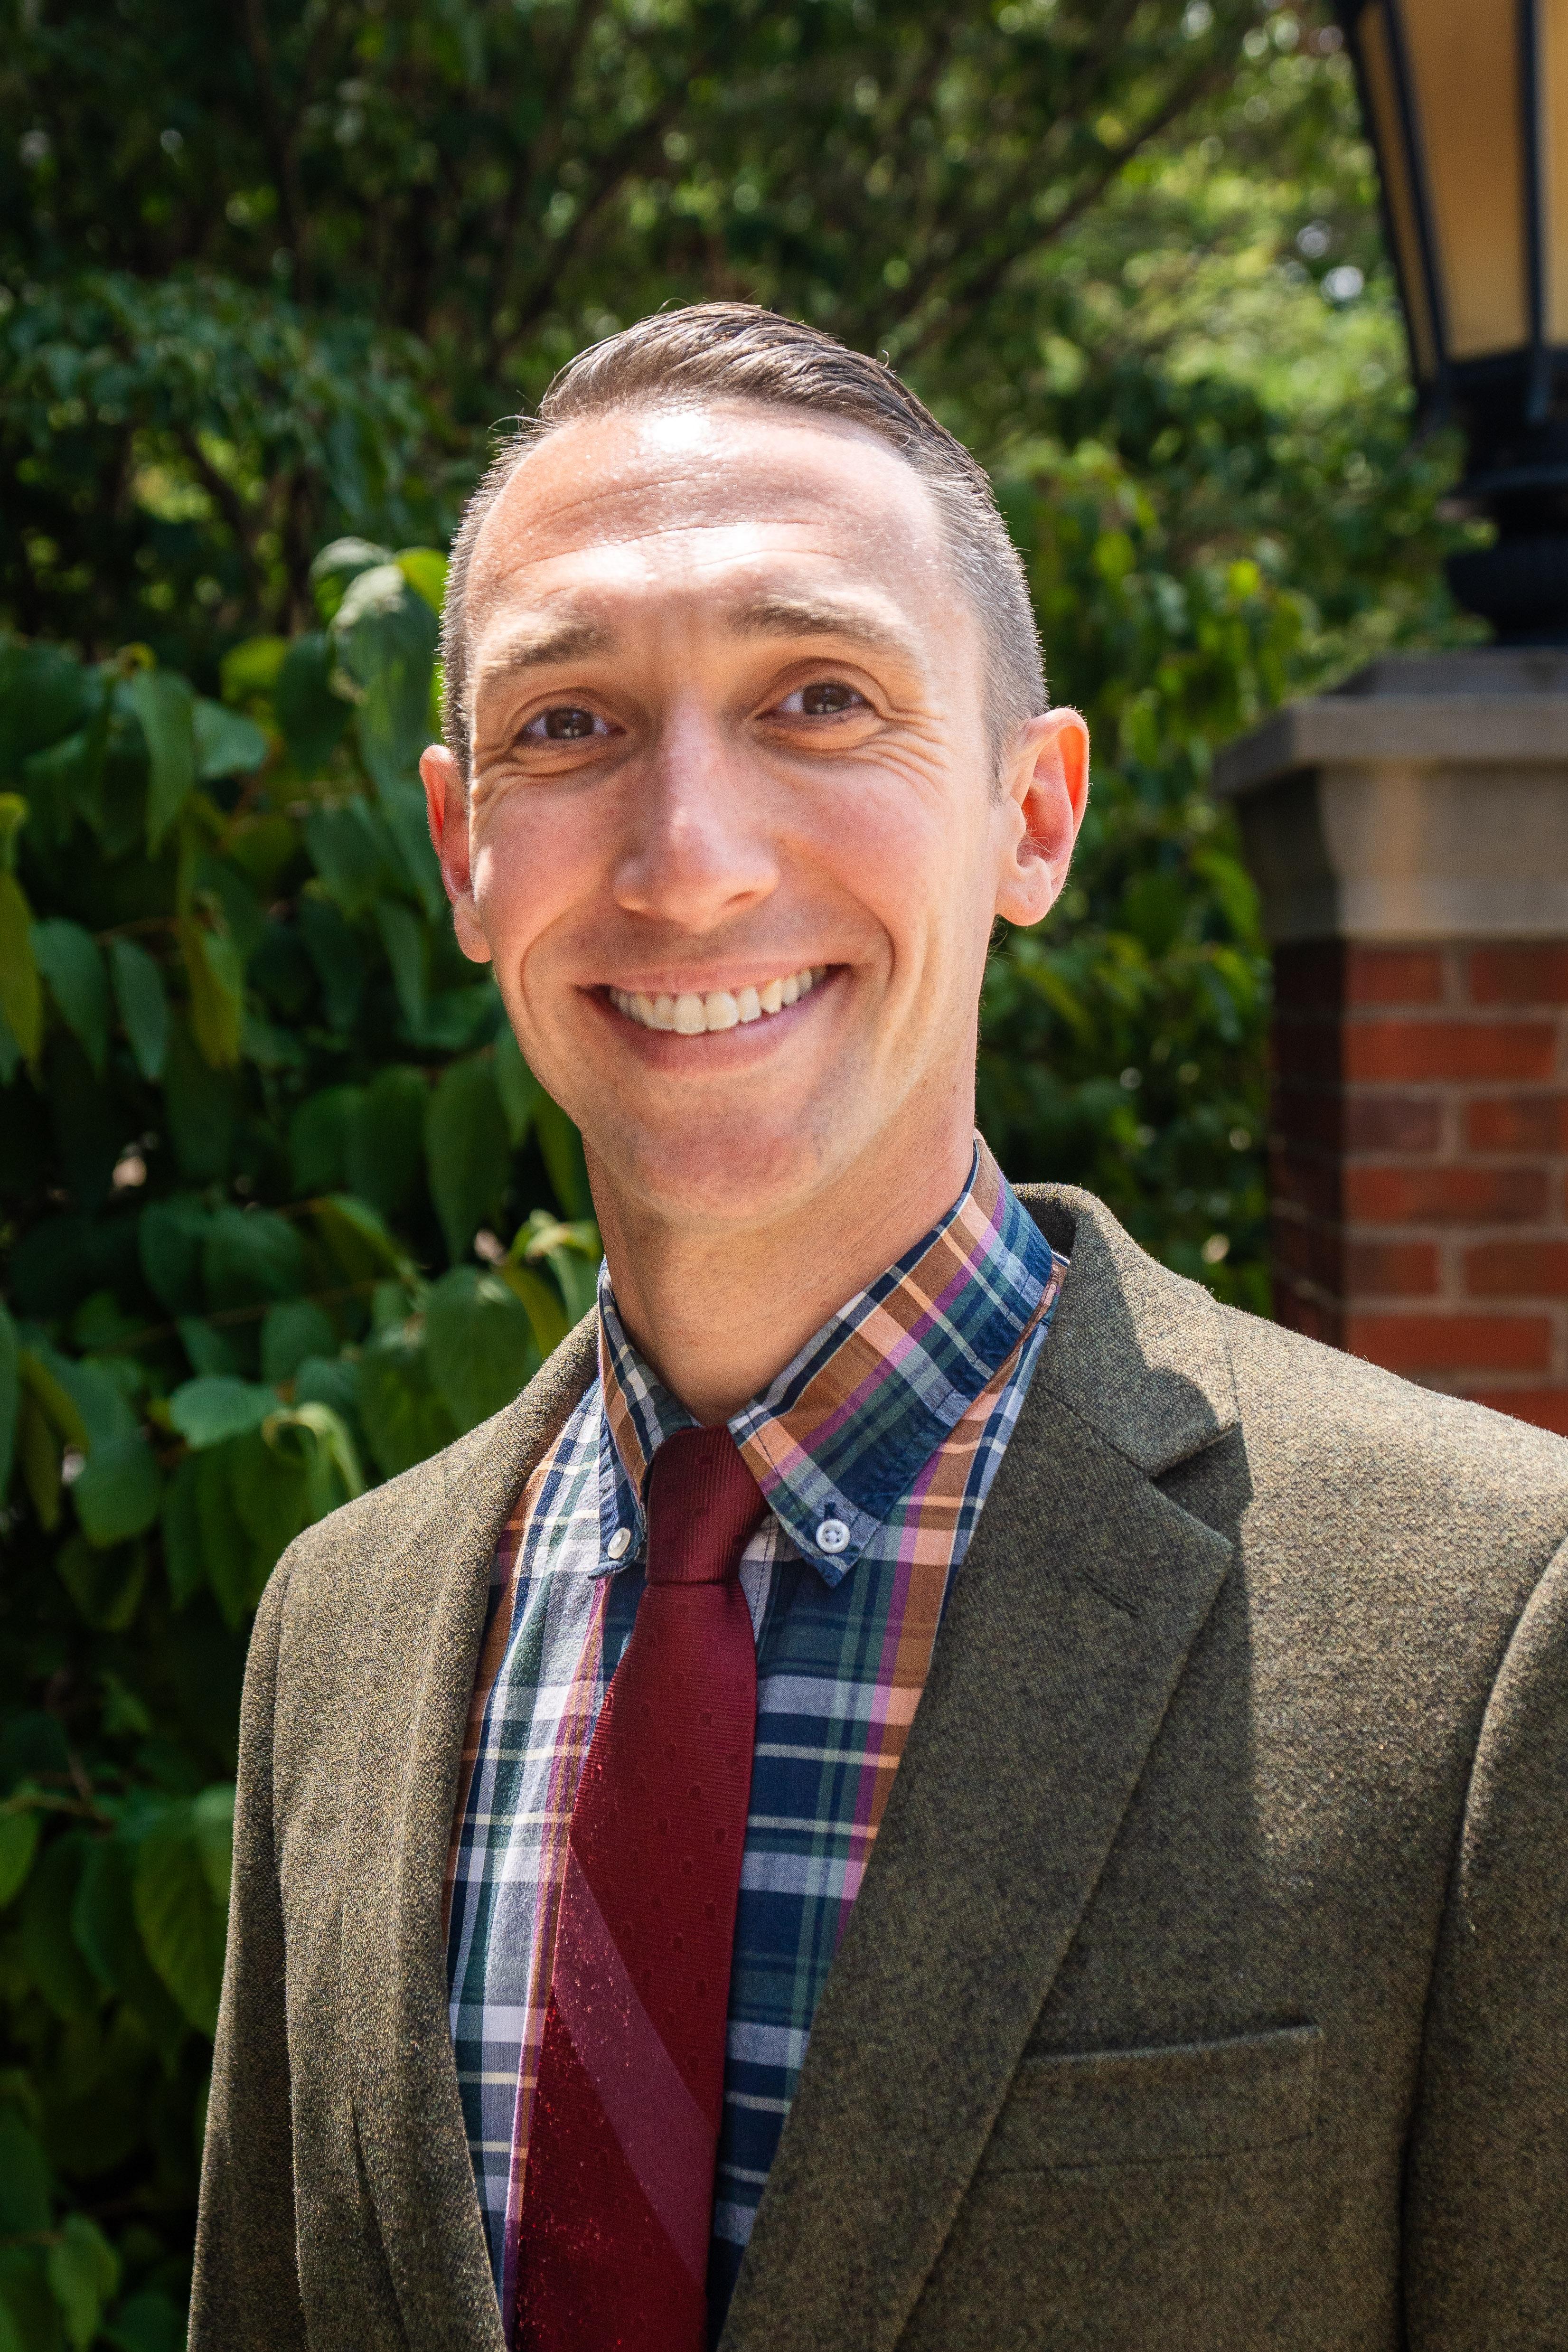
(562, 1148)
(318, 1140)
(292, 1331)
(10, 1396)
(181, 1924)
(466, 1151)
(83, 2272)
(143, 1004)
(18, 1843)
(311, 715)
(118, 1493)
(405, 1418)
(402, 936)
(384, 636)
(227, 744)
(251, 1257)
(213, 1820)
(359, 1242)
(384, 1139)
(337, 566)
(21, 996)
(547, 1316)
(519, 1090)
(250, 671)
(351, 852)
(146, 2322)
(216, 975)
(72, 963)
(23, 2178)
(170, 1237)
(228, 1552)
(38, 1452)
(48, 1943)
(481, 1344)
(207, 1412)
(425, 569)
(200, 1103)
(106, 1586)
(166, 707)
(183, 1562)
(104, 1920)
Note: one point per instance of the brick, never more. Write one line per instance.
(1392, 1269)
(1518, 1269)
(1451, 1343)
(1393, 976)
(1544, 1408)
(1445, 1195)
(1392, 1122)
(1450, 1049)
(1519, 975)
(1517, 1123)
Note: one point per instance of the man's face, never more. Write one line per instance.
(734, 841)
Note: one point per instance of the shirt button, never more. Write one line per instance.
(620, 1543)
(832, 1535)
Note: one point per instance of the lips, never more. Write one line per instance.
(691, 1016)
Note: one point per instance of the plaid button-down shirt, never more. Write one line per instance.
(875, 1449)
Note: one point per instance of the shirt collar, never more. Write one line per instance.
(841, 1436)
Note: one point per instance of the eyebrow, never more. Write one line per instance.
(537, 641)
(819, 617)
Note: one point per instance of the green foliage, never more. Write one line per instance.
(256, 1114)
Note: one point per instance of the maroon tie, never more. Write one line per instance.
(617, 2205)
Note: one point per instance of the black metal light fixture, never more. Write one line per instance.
(1467, 103)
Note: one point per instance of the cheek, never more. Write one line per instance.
(526, 867)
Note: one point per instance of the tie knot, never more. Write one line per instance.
(703, 1504)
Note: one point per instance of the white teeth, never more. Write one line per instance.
(691, 1016)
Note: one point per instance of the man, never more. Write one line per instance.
(926, 1784)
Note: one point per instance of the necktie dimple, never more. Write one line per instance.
(617, 2205)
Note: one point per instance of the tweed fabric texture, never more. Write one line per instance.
(891, 1423)
(1206, 1987)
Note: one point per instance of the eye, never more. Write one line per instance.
(825, 698)
(565, 723)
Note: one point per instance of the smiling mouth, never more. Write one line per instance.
(690, 1015)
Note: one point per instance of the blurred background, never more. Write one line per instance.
(281, 1209)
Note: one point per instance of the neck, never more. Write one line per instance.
(718, 1313)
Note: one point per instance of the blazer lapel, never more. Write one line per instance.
(1067, 1629)
(418, 1676)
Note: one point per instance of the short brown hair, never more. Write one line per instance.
(734, 351)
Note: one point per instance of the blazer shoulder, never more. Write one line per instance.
(335, 1567)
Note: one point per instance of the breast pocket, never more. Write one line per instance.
(1159, 2105)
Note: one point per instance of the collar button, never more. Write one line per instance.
(832, 1535)
(620, 1543)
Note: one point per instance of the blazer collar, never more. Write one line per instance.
(1068, 1626)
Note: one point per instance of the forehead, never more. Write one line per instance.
(687, 506)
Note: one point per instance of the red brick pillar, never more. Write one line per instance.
(1411, 843)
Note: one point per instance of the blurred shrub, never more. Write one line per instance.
(283, 1211)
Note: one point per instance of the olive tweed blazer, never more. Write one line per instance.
(1208, 1987)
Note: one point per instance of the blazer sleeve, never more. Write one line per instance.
(1487, 2216)
(245, 2293)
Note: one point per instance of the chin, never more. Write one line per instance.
(725, 1172)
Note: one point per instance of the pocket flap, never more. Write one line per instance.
(1151, 2106)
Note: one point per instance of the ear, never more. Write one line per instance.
(1044, 792)
(446, 804)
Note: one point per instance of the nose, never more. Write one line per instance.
(697, 850)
